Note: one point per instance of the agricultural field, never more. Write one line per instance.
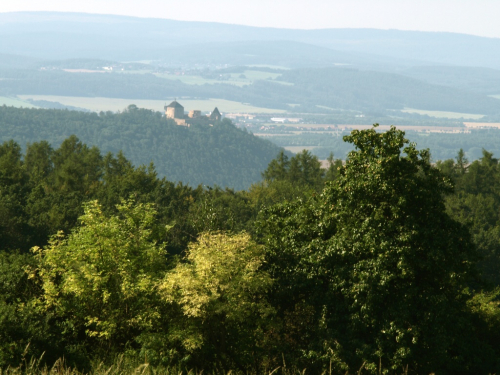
(15, 102)
(115, 104)
(197, 80)
(442, 114)
(238, 79)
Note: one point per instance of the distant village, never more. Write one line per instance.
(269, 124)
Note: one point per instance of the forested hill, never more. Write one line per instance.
(220, 155)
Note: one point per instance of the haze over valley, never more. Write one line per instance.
(336, 77)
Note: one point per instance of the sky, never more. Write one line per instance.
(476, 17)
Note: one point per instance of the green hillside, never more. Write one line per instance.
(356, 89)
(220, 155)
(310, 89)
(476, 79)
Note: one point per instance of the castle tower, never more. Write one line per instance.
(215, 115)
(174, 110)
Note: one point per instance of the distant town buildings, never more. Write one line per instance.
(284, 120)
(175, 111)
(482, 125)
(240, 116)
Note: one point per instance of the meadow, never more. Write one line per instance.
(444, 114)
(238, 79)
(14, 102)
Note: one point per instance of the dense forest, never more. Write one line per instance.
(382, 264)
(479, 80)
(212, 155)
(369, 90)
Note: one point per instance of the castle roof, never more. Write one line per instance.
(215, 113)
(174, 104)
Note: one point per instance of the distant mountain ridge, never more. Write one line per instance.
(120, 38)
(318, 71)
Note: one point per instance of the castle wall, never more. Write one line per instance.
(174, 112)
(194, 114)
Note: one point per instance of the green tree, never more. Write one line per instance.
(376, 262)
(56, 203)
(77, 167)
(24, 330)
(334, 165)
(14, 229)
(476, 203)
(100, 281)
(303, 169)
(277, 168)
(221, 291)
(38, 160)
(217, 209)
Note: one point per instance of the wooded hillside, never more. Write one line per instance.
(210, 155)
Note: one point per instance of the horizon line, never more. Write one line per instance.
(244, 25)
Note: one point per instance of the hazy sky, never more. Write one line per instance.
(478, 17)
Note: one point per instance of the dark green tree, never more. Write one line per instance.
(476, 203)
(13, 194)
(375, 265)
(334, 165)
(278, 168)
(303, 169)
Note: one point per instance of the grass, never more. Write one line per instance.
(15, 102)
(122, 366)
(117, 104)
(444, 114)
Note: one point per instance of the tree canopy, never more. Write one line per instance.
(384, 264)
(375, 261)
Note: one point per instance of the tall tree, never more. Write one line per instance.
(375, 260)
(13, 194)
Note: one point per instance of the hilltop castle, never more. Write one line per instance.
(175, 111)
